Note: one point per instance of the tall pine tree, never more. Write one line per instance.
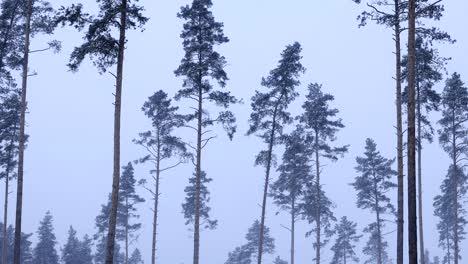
(200, 65)
(105, 42)
(322, 124)
(270, 115)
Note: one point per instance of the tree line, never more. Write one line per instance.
(293, 182)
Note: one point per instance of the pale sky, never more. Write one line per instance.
(68, 162)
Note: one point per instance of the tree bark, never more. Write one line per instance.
(156, 201)
(420, 200)
(400, 205)
(412, 208)
(317, 207)
(293, 227)
(265, 187)
(117, 116)
(19, 192)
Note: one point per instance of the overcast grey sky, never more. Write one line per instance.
(68, 165)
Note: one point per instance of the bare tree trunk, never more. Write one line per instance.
(7, 193)
(196, 236)
(265, 188)
(19, 192)
(400, 209)
(118, 108)
(156, 201)
(412, 208)
(420, 200)
(293, 227)
(317, 207)
(126, 231)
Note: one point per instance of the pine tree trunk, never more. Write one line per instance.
(126, 231)
(293, 226)
(265, 187)
(412, 208)
(156, 201)
(400, 209)
(379, 233)
(5, 208)
(317, 207)
(455, 190)
(196, 236)
(420, 200)
(19, 192)
(118, 108)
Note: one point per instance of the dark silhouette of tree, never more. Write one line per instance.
(26, 250)
(162, 146)
(270, 115)
(76, 251)
(345, 243)
(200, 65)
(321, 124)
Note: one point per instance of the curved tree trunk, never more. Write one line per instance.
(400, 206)
(117, 116)
(19, 192)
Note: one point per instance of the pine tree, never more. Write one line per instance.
(161, 145)
(10, 108)
(85, 249)
(105, 42)
(372, 185)
(26, 250)
(289, 188)
(36, 18)
(278, 260)
(321, 124)
(189, 206)
(269, 114)
(136, 257)
(248, 252)
(429, 67)
(345, 243)
(453, 138)
(45, 252)
(128, 199)
(70, 252)
(391, 14)
(200, 65)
